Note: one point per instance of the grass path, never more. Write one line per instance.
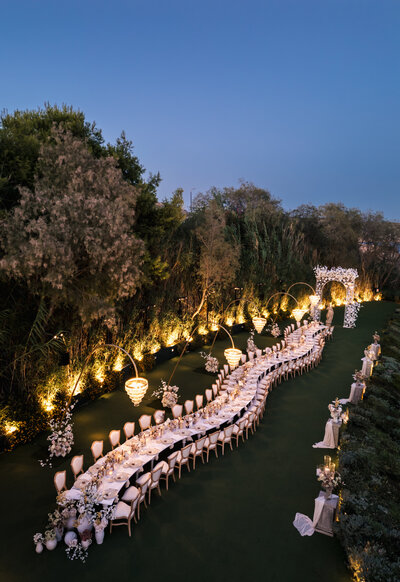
(230, 519)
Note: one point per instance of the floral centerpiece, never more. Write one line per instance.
(167, 393)
(61, 437)
(336, 411)
(275, 329)
(212, 364)
(251, 344)
(328, 476)
(359, 377)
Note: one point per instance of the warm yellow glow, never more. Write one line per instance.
(47, 404)
(356, 567)
(314, 300)
(154, 348)
(172, 338)
(378, 297)
(10, 427)
(240, 319)
(229, 320)
(71, 384)
(214, 327)
(100, 375)
(119, 362)
(202, 330)
(284, 303)
(136, 389)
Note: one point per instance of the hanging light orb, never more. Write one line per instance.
(136, 389)
(259, 323)
(233, 356)
(314, 299)
(298, 314)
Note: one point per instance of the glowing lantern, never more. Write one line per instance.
(233, 356)
(314, 299)
(259, 323)
(136, 389)
(298, 314)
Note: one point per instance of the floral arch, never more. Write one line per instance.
(346, 276)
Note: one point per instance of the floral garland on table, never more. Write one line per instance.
(61, 437)
(351, 314)
(251, 344)
(212, 364)
(168, 394)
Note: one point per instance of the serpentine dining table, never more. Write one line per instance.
(236, 395)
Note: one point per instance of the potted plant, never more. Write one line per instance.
(100, 524)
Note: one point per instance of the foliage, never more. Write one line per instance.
(369, 524)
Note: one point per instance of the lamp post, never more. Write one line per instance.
(314, 298)
(135, 387)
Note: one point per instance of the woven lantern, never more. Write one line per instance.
(298, 314)
(233, 356)
(314, 300)
(259, 323)
(136, 389)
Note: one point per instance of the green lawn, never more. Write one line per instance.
(228, 520)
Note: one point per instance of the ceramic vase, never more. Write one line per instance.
(99, 534)
(51, 544)
(39, 548)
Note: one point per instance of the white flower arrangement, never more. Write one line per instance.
(251, 344)
(212, 364)
(351, 314)
(329, 478)
(75, 551)
(168, 394)
(359, 377)
(336, 411)
(38, 538)
(61, 438)
(275, 329)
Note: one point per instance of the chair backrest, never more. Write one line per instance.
(213, 437)
(226, 369)
(60, 480)
(177, 410)
(77, 464)
(145, 421)
(242, 423)
(200, 443)
(214, 388)
(199, 400)
(258, 353)
(189, 406)
(186, 451)
(145, 483)
(172, 459)
(97, 449)
(159, 416)
(243, 358)
(156, 474)
(209, 394)
(283, 343)
(114, 436)
(129, 429)
(228, 431)
(251, 356)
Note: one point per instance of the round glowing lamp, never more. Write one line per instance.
(233, 356)
(136, 389)
(259, 323)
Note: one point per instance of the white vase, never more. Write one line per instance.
(51, 544)
(99, 534)
(84, 525)
(69, 537)
(69, 523)
(39, 548)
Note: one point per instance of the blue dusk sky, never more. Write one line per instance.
(300, 97)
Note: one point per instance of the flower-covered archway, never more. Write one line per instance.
(348, 278)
